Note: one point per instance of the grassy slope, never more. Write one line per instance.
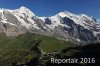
(50, 44)
(17, 50)
(23, 49)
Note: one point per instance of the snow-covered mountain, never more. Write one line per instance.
(64, 25)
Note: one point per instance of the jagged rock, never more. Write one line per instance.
(64, 25)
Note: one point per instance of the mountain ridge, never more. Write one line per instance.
(64, 25)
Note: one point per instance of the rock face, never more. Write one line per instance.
(64, 25)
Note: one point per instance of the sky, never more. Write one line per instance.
(52, 7)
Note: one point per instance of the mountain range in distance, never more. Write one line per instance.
(78, 29)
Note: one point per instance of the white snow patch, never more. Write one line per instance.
(78, 40)
(96, 33)
(42, 18)
(23, 22)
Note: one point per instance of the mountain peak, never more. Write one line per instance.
(65, 14)
(84, 16)
(64, 24)
(27, 11)
(23, 7)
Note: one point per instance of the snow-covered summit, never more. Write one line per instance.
(65, 14)
(66, 25)
(78, 19)
(23, 11)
